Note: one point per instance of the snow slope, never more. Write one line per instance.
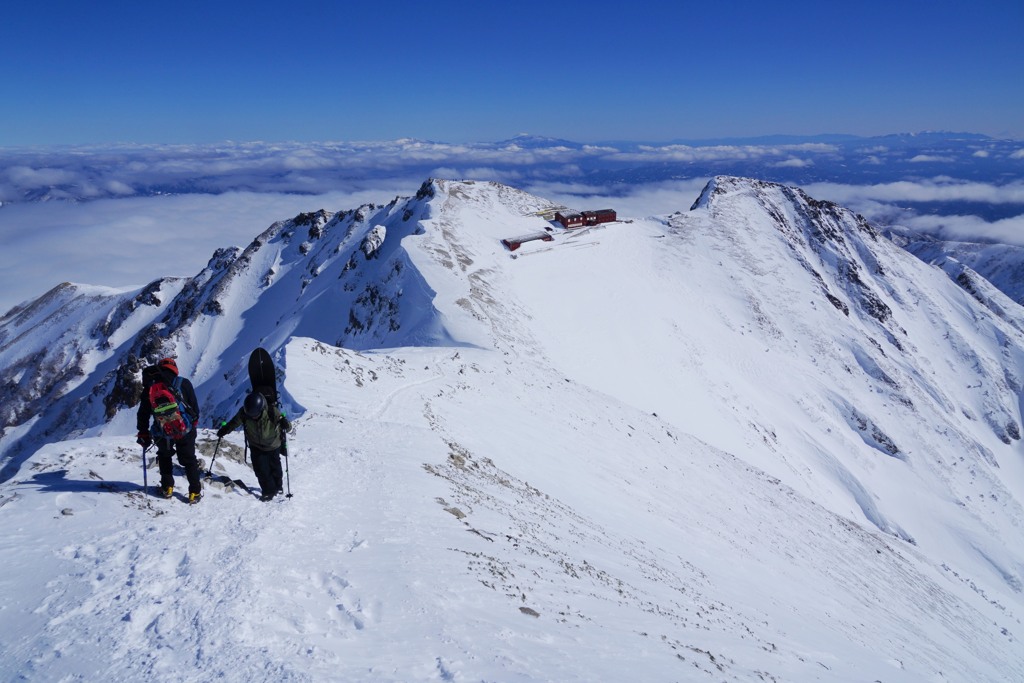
(454, 519)
(750, 441)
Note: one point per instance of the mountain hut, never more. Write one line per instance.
(513, 243)
(581, 219)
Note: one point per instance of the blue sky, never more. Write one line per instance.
(201, 72)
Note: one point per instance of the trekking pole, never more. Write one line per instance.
(145, 476)
(284, 450)
(209, 472)
(287, 476)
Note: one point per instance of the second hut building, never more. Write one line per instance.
(585, 218)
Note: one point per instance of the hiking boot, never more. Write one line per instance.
(167, 491)
(194, 498)
(267, 497)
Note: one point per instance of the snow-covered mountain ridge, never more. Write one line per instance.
(1001, 264)
(753, 440)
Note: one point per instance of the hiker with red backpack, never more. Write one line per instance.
(169, 400)
(263, 427)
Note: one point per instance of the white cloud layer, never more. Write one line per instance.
(934, 190)
(162, 210)
(969, 228)
(317, 168)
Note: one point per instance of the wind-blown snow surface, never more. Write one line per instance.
(752, 441)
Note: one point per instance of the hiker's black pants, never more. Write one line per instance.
(185, 448)
(267, 466)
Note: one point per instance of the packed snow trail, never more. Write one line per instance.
(236, 589)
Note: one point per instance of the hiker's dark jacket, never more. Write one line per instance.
(263, 433)
(188, 393)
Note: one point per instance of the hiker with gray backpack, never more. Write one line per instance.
(169, 400)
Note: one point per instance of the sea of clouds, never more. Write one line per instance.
(122, 215)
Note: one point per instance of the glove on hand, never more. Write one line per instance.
(284, 424)
(144, 439)
(223, 431)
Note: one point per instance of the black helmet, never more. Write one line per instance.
(255, 404)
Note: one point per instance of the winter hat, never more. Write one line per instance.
(169, 364)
